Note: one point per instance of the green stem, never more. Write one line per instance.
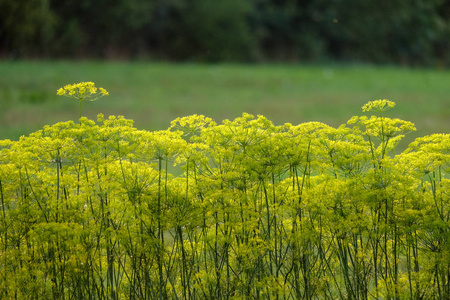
(5, 244)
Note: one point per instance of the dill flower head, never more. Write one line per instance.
(378, 105)
(82, 91)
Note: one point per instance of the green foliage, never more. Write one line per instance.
(89, 210)
(403, 32)
(26, 27)
(395, 31)
(210, 31)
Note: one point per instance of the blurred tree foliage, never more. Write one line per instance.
(413, 32)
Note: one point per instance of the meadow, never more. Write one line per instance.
(154, 94)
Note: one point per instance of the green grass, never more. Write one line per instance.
(153, 94)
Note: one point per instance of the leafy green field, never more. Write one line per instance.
(153, 94)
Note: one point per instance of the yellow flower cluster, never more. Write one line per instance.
(378, 105)
(82, 91)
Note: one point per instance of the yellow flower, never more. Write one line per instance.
(82, 91)
(378, 105)
(61, 92)
(104, 92)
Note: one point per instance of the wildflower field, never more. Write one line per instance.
(241, 209)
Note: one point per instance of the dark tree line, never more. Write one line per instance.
(413, 32)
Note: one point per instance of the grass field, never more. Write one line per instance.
(153, 94)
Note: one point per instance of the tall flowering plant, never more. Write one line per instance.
(83, 91)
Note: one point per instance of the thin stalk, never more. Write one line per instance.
(269, 226)
(160, 234)
(184, 272)
(409, 268)
(5, 243)
(23, 195)
(58, 165)
(277, 243)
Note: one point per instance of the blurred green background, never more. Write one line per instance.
(292, 61)
(412, 32)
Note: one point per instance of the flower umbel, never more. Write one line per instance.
(83, 91)
(378, 105)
